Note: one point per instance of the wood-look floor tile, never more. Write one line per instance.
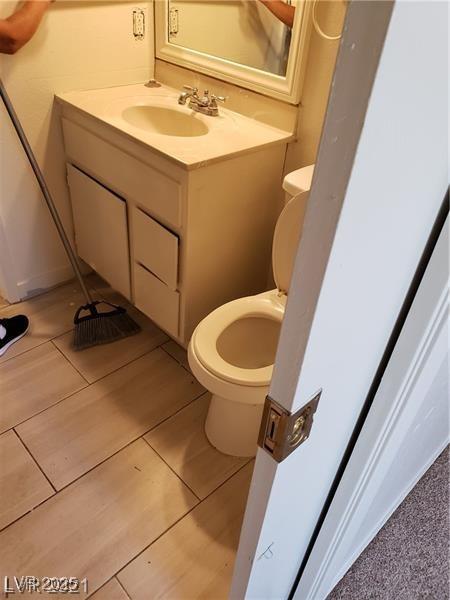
(99, 361)
(110, 591)
(51, 314)
(78, 433)
(195, 558)
(182, 443)
(178, 353)
(22, 485)
(94, 527)
(34, 381)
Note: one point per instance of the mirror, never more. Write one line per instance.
(254, 43)
(247, 33)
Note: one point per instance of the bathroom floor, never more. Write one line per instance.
(106, 474)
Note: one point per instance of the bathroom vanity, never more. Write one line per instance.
(175, 209)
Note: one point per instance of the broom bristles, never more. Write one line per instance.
(103, 328)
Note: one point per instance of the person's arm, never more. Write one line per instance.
(284, 12)
(19, 28)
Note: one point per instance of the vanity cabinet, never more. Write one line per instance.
(177, 241)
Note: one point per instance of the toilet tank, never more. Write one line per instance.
(298, 181)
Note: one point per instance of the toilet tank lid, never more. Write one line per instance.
(299, 180)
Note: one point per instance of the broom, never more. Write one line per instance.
(92, 326)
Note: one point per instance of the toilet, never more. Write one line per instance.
(232, 351)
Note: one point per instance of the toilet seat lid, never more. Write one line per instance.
(285, 240)
(204, 339)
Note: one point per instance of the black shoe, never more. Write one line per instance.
(11, 330)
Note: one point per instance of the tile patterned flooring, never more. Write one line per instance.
(105, 471)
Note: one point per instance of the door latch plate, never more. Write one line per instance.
(282, 432)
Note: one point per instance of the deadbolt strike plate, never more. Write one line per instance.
(282, 432)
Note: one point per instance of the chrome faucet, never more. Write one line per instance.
(207, 105)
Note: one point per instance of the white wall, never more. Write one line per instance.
(80, 44)
(316, 88)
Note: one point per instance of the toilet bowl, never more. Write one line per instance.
(232, 350)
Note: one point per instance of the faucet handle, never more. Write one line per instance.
(219, 98)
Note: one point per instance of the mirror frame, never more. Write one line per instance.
(286, 88)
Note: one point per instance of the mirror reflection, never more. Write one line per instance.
(255, 33)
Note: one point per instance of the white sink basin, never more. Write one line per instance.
(165, 121)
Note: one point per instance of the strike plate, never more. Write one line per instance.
(282, 432)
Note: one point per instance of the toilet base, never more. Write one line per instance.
(233, 427)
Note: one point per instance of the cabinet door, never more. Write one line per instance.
(101, 230)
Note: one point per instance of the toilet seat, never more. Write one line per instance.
(205, 337)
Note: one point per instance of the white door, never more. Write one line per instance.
(369, 216)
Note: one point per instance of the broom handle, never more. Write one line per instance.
(45, 191)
